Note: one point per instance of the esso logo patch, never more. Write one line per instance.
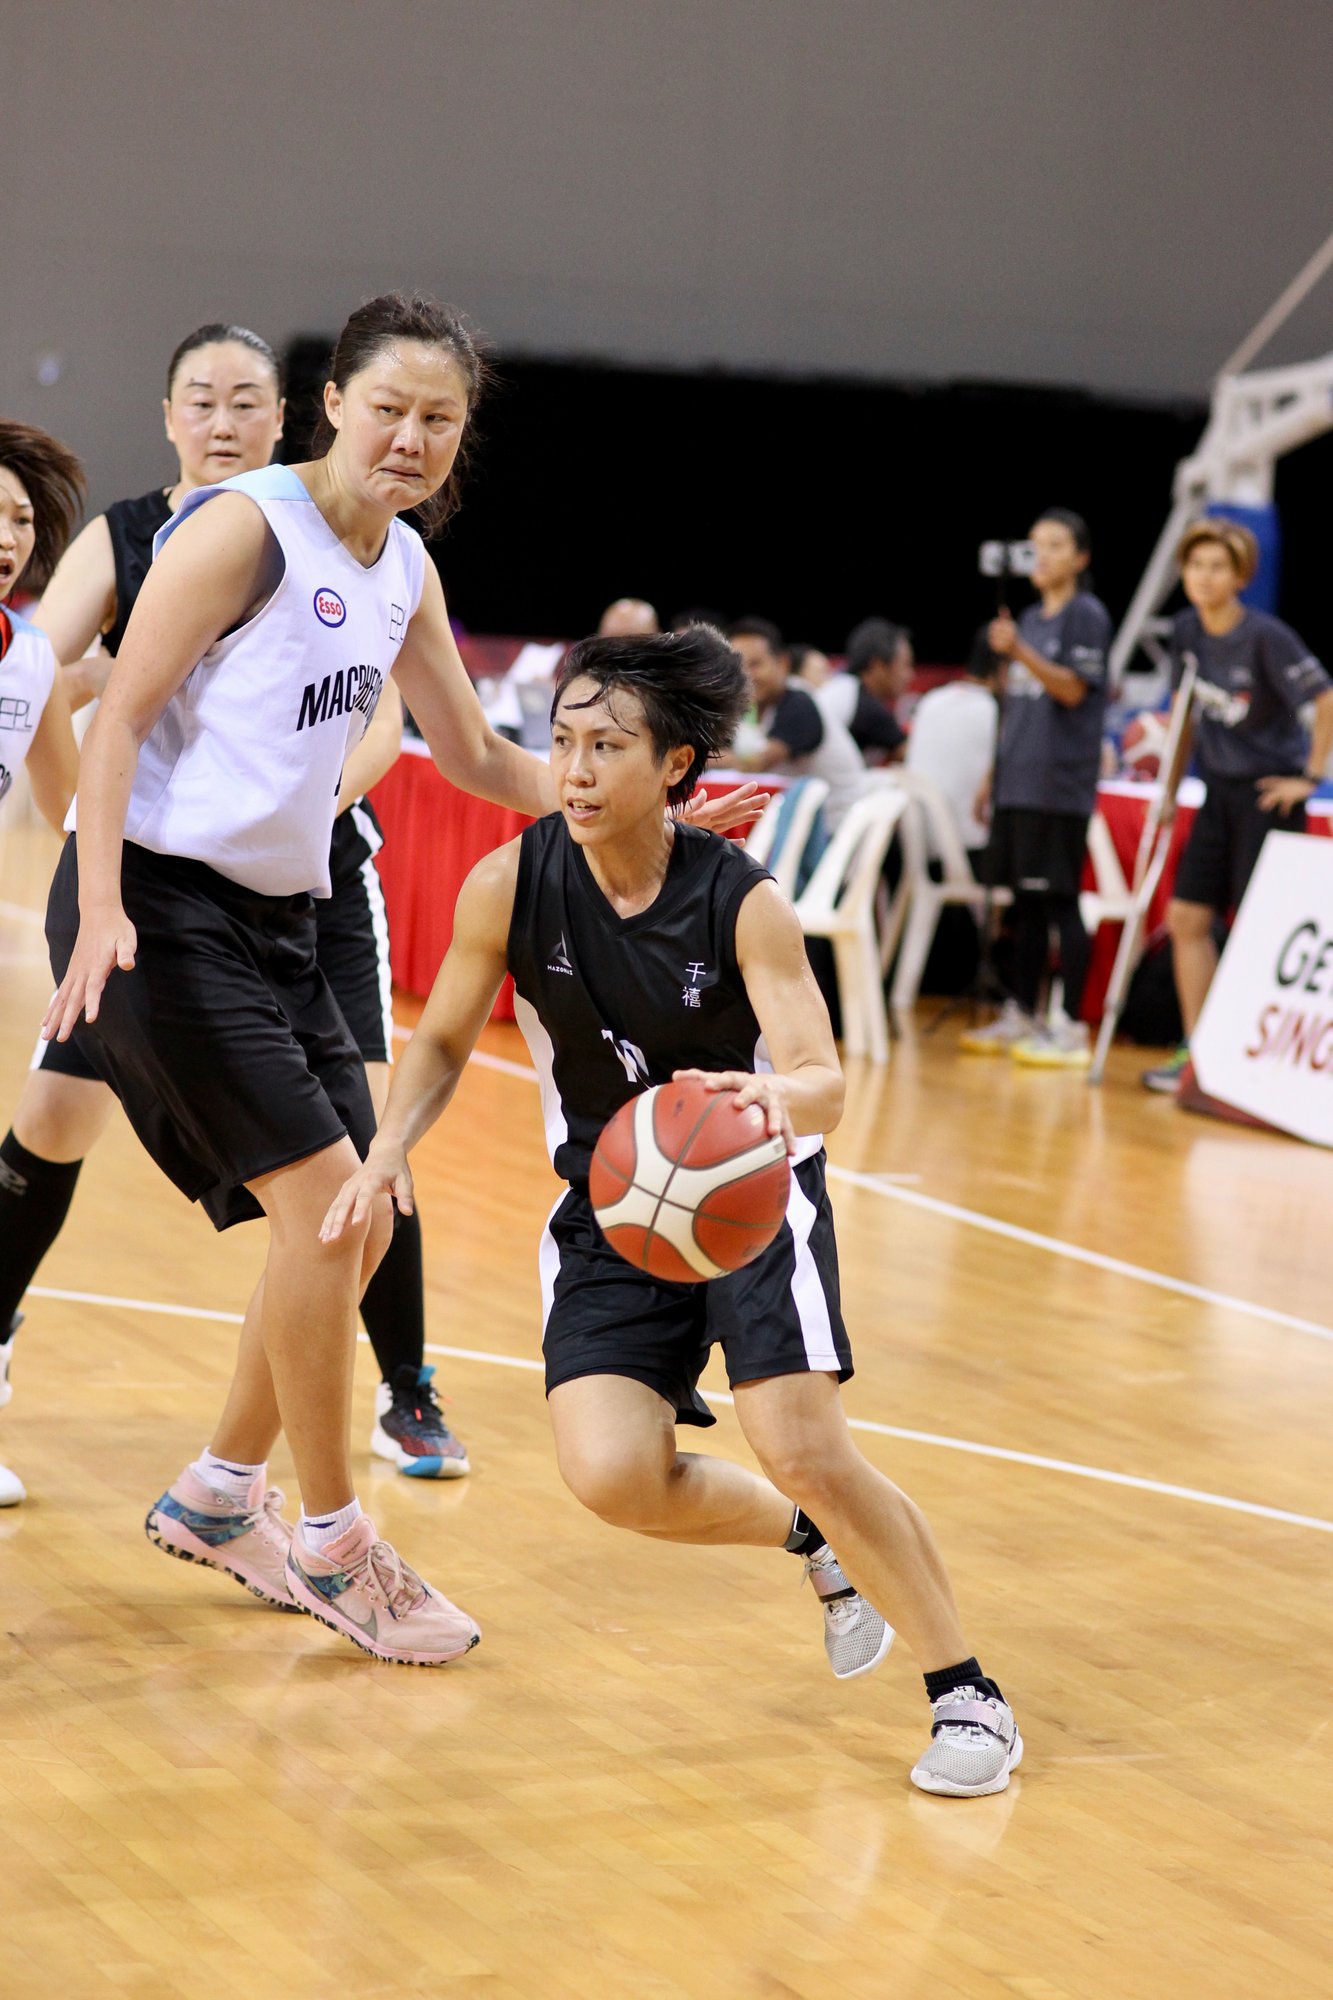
(329, 607)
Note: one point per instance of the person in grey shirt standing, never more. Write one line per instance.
(1045, 788)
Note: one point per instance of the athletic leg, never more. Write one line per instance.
(617, 1452)
(1075, 950)
(305, 1321)
(796, 1427)
(57, 1122)
(1030, 923)
(410, 1430)
(1193, 957)
(615, 1441)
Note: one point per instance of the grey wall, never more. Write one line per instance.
(1103, 192)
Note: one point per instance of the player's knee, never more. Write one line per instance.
(60, 1118)
(812, 1473)
(1187, 922)
(614, 1485)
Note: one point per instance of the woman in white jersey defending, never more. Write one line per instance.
(183, 939)
(223, 414)
(41, 489)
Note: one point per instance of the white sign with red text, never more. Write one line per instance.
(1264, 1042)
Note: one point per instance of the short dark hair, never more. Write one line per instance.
(382, 322)
(1065, 517)
(210, 336)
(873, 639)
(757, 628)
(55, 484)
(690, 684)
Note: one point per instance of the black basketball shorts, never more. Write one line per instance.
(781, 1315)
(1223, 844)
(352, 948)
(1036, 853)
(224, 1044)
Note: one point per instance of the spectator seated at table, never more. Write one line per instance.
(628, 618)
(789, 735)
(880, 665)
(953, 742)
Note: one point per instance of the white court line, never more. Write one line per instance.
(932, 1438)
(887, 1186)
(22, 914)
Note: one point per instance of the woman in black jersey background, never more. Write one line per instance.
(223, 413)
(1254, 677)
(1044, 790)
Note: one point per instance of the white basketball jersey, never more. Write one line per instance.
(27, 672)
(242, 770)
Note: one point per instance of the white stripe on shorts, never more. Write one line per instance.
(807, 1287)
(548, 1262)
(379, 924)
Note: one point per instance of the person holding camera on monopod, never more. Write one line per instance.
(1043, 790)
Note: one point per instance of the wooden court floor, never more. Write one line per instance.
(1095, 1340)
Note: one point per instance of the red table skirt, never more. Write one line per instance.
(434, 835)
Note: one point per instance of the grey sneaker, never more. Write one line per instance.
(1166, 1077)
(856, 1638)
(974, 1745)
(1010, 1025)
(1056, 1044)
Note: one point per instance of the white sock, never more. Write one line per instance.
(225, 1475)
(326, 1528)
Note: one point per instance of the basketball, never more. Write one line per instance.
(686, 1186)
(1142, 744)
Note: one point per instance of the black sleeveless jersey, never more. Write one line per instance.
(609, 1005)
(133, 523)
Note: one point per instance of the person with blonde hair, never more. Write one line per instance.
(1254, 677)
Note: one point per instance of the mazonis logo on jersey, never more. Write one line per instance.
(329, 607)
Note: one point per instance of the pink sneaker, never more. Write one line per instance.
(247, 1540)
(361, 1587)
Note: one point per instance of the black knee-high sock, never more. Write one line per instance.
(35, 1195)
(1075, 951)
(1032, 946)
(394, 1307)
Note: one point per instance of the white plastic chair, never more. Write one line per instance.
(930, 826)
(781, 834)
(839, 904)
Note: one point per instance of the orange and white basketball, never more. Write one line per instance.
(686, 1186)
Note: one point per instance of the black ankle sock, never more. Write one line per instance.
(805, 1538)
(394, 1306)
(966, 1674)
(35, 1195)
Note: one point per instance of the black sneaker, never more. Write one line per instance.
(411, 1431)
